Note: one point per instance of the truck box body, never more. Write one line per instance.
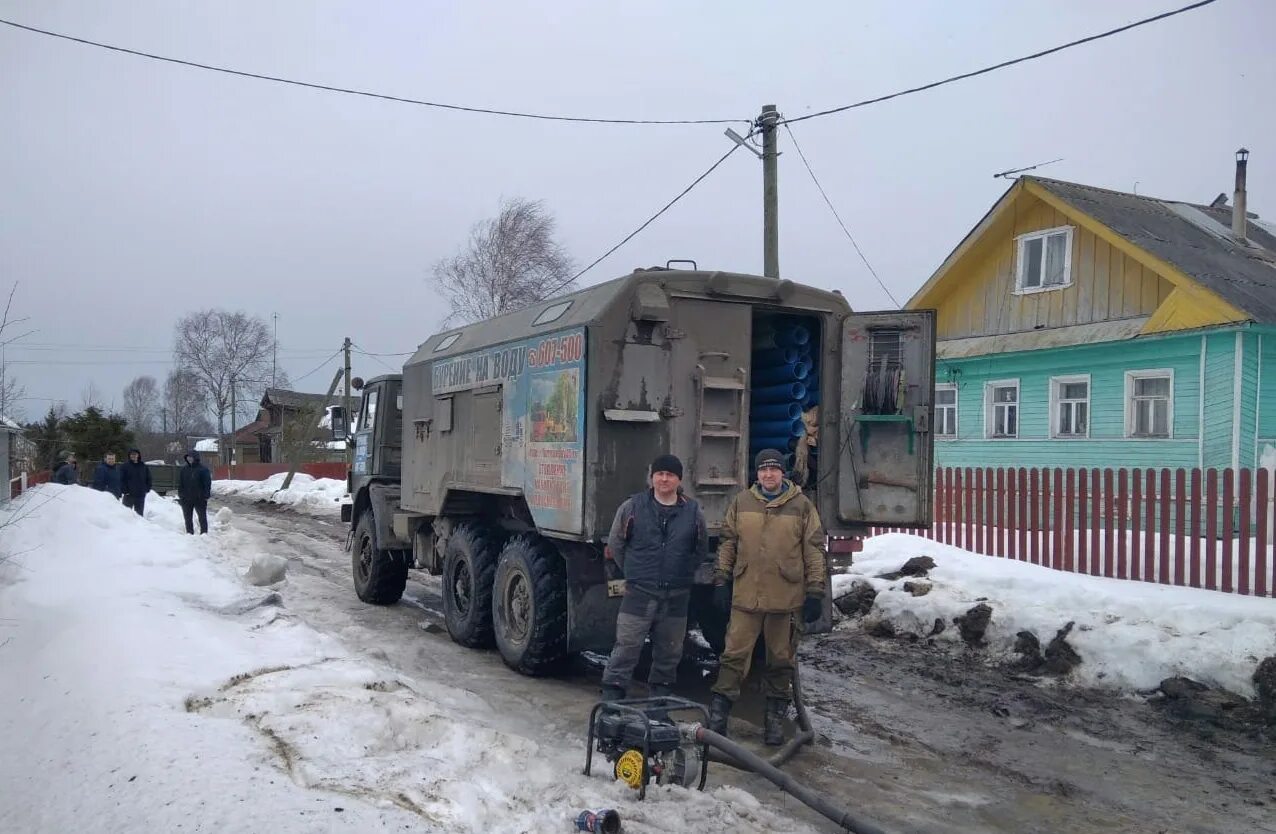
(565, 403)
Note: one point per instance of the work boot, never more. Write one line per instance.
(612, 693)
(773, 729)
(719, 712)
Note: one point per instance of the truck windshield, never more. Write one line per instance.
(370, 410)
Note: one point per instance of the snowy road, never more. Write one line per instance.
(146, 687)
(920, 739)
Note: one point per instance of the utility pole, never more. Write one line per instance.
(274, 355)
(345, 402)
(768, 122)
(230, 446)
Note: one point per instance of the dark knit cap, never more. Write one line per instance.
(667, 463)
(769, 457)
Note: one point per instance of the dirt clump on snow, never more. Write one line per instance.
(1265, 684)
(974, 624)
(858, 601)
(917, 589)
(1194, 701)
(1028, 647)
(1060, 657)
(916, 566)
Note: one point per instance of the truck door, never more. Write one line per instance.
(711, 377)
(885, 457)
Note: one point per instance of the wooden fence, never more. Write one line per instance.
(262, 471)
(1210, 529)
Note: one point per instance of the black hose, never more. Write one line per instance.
(786, 783)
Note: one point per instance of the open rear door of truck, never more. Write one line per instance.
(885, 447)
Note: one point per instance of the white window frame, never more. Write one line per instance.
(990, 411)
(1148, 373)
(1056, 386)
(948, 386)
(1022, 261)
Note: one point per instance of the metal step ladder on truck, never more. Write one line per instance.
(498, 457)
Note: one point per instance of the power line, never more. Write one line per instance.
(1003, 64)
(374, 358)
(366, 93)
(648, 222)
(319, 367)
(837, 216)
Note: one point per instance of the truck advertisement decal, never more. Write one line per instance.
(542, 418)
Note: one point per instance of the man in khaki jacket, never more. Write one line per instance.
(772, 546)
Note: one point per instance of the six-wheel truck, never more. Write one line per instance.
(500, 454)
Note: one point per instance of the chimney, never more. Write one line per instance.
(1238, 201)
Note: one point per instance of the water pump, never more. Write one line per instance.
(643, 744)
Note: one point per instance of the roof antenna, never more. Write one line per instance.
(1008, 174)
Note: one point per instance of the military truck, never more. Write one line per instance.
(498, 457)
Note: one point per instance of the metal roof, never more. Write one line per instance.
(294, 399)
(589, 304)
(1195, 239)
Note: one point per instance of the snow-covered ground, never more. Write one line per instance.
(148, 688)
(306, 493)
(1130, 635)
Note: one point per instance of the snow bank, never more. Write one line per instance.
(1130, 635)
(316, 496)
(148, 689)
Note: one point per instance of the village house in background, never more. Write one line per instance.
(1084, 327)
(10, 434)
(288, 424)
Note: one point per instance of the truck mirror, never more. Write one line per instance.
(338, 421)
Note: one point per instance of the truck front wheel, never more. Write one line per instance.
(379, 575)
(529, 605)
(469, 560)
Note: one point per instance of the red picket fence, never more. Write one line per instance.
(1208, 529)
(262, 471)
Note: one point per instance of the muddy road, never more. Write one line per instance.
(920, 739)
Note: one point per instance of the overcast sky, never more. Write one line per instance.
(133, 191)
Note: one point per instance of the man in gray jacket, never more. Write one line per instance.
(657, 540)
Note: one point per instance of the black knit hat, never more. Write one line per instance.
(667, 463)
(769, 457)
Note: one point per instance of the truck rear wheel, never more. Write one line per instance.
(379, 575)
(469, 562)
(529, 605)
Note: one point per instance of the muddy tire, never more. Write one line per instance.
(379, 575)
(469, 563)
(529, 606)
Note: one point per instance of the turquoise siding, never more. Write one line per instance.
(1246, 452)
(1266, 401)
(1107, 444)
(1220, 361)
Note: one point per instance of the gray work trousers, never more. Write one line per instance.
(660, 612)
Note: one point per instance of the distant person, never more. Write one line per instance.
(658, 539)
(136, 479)
(107, 476)
(194, 487)
(69, 471)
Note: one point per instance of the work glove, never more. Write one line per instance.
(812, 608)
(722, 597)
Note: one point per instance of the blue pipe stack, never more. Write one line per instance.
(785, 382)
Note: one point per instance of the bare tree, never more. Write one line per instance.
(184, 408)
(11, 391)
(509, 262)
(90, 397)
(142, 404)
(229, 353)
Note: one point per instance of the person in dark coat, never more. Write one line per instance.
(194, 486)
(107, 476)
(69, 472)
(657, 540)
(136, 480)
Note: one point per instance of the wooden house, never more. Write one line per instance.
(1080, 326)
